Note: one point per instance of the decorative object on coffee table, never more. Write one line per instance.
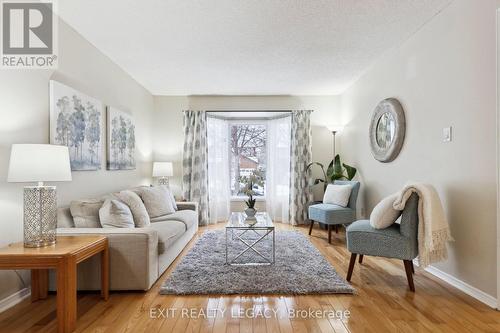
(239, 230)
(163, 170)
(251, 220)
(36, 163)
(387, 130)
(250, 211)
(251, 182)
(62, 257)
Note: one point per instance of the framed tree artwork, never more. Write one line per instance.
(120, 140)
(77, 121)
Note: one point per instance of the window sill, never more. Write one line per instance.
(241, 199)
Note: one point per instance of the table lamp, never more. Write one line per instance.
(163, 170)
(36, 163)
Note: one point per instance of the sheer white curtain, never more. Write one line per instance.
(218, 169)
(278, 169)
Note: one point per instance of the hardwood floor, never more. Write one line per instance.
(383, 303)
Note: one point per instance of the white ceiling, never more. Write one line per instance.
(246, 47)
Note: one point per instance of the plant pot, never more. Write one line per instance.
(250, 212)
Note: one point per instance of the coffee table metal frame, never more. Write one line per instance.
(250, 243)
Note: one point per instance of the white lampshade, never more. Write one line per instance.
(335, 127)
(163, 169)
(39, 163)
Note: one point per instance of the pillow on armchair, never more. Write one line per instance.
(384, 214)
(337, 195)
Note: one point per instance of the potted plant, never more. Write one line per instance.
(251, 183)
(336, 171)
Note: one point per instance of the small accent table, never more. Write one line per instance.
(62, 256)
(264, 227)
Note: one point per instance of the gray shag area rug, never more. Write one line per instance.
(299, 268)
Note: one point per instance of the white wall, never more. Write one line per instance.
(444, 75)
(168, 135)
(24, 100)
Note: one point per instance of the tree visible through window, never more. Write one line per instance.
(248, 155)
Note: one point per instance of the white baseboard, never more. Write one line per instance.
(465, 287)
(14, 299)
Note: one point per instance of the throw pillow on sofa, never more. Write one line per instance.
(172, 198)
(134, 202)
(116, 214)
(157, 200)
(86, 212)
(384, 214)
(337, 195)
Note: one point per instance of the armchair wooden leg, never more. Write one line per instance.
(336, 229)
(409, 274)
(351, 266)
(329, 233)
(311, 227)
(412, 267)
(360, 258)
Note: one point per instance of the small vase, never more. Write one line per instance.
(250, 212)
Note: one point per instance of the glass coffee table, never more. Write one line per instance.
(250, 233)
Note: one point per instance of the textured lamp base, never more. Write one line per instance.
(40, 220)
(163, 181)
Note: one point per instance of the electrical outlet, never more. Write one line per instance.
(447, 134)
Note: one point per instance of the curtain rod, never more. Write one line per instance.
(249, 118)
(289, 111)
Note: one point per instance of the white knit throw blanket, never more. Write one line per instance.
(433, 229)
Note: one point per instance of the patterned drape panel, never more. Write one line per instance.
(194, 163)
(301, 156)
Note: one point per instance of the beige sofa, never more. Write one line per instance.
(138, 256)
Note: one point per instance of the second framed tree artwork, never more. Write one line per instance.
(120, 140)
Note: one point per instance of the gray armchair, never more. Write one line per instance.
(333, 215)
(397, 241)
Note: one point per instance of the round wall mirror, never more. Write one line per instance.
(386, 127)
(387, 130)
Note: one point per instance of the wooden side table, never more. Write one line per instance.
(62, 256)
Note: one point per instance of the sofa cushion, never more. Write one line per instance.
(188, 217)
(172, 198)
(64, 218)
(331, 214)
(138, 189)
(85, 212)
(157, 200)
(116, 214)
(134, 202)
(168, 233)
